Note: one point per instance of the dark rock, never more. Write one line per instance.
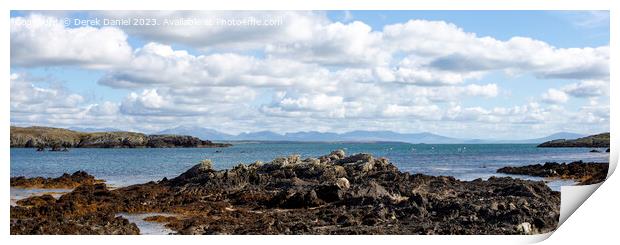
(584, 173)
(66, 181)
(332, 194)
(81, 212)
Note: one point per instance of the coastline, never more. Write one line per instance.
(337, 190)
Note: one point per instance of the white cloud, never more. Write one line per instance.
(588, 88)
(554, 96)
(445, 46)
(350, 44)
(217, 29)
(328, 75)
(39, 40)
(488, 90)
(158, 64)
(25, 96)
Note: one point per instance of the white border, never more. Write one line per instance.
(605, 199)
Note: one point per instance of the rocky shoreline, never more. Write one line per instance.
(58, 139)
(592, 141)
(66, 181)
(332, 194)
(582, 172)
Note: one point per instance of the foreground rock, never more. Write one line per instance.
(332, 194)
(59, 139)
(592, 141)
(584, 173)
(66, 181)
(85, 211)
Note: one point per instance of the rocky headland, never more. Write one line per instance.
(592, 141)
(582, 172)
(332, 194)
(58, 138)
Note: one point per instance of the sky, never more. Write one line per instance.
(466, 74)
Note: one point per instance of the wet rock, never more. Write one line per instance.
(332, 194)
(582, 172)
(66, 181)
(89, 209)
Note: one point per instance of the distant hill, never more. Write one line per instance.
(93, 130)
(314, 136)
(598, 140)
(358, 135)
(208, 134)
(202, 133)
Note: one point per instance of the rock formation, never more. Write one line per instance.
(332, 194)
(584, 173)
(66, 181)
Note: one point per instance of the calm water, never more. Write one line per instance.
(122, 167)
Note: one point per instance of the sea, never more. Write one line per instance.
(122, 167)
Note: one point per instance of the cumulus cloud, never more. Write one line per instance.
(588, 88)
(38, 40)
(308, 69)
(34, 103)
(227, 30)
(158, 64)
(554, 96)
(446, 46)
(350, 44)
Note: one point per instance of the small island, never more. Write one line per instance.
(58, 139)
(592, 141)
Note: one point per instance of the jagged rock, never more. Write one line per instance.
(66, 181)
(336, 195)
(584, 173)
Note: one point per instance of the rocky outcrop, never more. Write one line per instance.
(584, 173)
(332, 194)
(56, 138)
(592, 141)
(66, 181)
(84, 211)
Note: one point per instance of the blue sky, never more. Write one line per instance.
(512, 74)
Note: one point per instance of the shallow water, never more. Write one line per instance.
(146, 227)
(20, 193)
(121, 167)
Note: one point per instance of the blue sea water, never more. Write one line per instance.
(121, 167)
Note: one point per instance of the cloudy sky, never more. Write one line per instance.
(470, 74)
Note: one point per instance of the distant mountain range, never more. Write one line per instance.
(94, 130)
(359, 135)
